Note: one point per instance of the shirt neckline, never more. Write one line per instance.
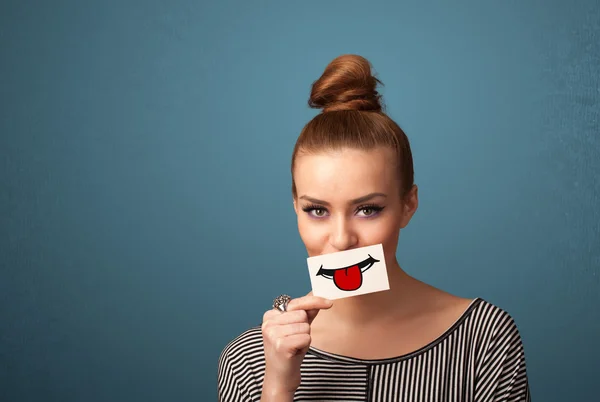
(347, 359)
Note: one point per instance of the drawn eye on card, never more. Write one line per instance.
(348, 273)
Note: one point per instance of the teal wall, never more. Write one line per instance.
(145, 206)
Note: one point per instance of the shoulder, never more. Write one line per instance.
(488, 318)
(501, 369)
(475, 315)
(244, 346)
(476, 321)
(240, 368)
(495, 333)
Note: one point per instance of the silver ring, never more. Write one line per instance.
(280, 303)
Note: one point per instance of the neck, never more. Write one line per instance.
(374, 307)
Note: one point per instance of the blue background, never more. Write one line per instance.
(145, 205)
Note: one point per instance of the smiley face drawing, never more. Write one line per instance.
(348, 278)
(348, 273)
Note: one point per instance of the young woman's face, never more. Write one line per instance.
(350, 198)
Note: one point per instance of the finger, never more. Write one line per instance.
(289, 317)
(271, 314)
(293, 344)
(282, 331)
(309, 303)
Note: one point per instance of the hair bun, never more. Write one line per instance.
(346, 84)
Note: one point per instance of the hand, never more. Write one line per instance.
(286, 338)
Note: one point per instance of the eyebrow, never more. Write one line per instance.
(355, 201)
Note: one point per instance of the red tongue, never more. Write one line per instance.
(348, 279)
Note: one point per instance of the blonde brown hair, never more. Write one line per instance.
(352, 117)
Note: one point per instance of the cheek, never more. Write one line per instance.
(313, 235)
(384, 232)
(390, 245)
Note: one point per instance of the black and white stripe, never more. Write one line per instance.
(480, 358)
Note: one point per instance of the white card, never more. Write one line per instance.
(348, 273)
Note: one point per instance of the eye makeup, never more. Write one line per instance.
(319, 211)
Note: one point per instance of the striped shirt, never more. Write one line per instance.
(479, 358)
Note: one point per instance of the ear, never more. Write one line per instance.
(410, 206)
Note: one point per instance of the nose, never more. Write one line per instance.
(343, 236)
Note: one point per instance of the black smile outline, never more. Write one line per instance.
(363, 266)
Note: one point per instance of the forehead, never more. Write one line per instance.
(345, 173)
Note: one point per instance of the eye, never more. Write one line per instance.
(315, 211)
(370, 210)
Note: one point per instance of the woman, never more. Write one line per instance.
(411, 343)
